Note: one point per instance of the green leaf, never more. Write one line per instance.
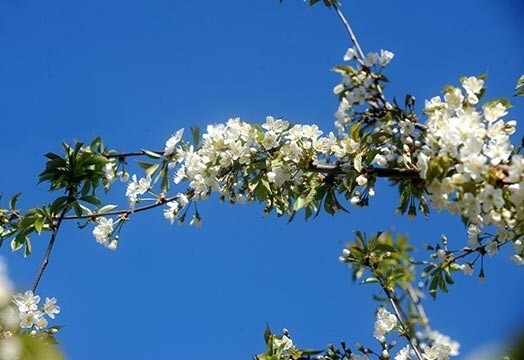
(97, 145)
(14, 199)
(370, 280)
(149, 168)
(164, 184)
(385, 248)
(91, 199)
(433, 286)
(28, 247)
(77, 209)
(58, 204)
(267, 334)
(39, 224)
(106, 208)
(520, 92)
(195, 131)
(17, 242)
(520, 82)
(300, 202)
(357, 162)
(152, 154)
(405, 196)
(354, 133)
(504, 101)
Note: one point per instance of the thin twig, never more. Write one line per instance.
(160, 202)
(361, 57)
(415, 299)
(350, 32)
(401, 321)
(45, 261)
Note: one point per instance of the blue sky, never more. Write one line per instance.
(134, 72)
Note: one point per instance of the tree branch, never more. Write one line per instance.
(45, 261)
(160, 202)
(415, 299)
(371, 170)
(350, 32)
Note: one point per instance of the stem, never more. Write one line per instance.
(137, 153)
(415, 299)
(402, 322)
(361, 57)
(378, 172)
(45, 261)
(350, 32)
(122, 212)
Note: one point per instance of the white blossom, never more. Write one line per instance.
(384, 323)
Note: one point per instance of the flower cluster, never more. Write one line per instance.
(31, 316)
(21, 314)
(468, 163)
(437, 346)
(136, 188)
(359, 85)
(104, 231)
(384, 324)
(243, 162)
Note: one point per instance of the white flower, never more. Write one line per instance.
(454, 98)
(472, 85)
(490, 198)
(403, 354)
(517, 259)
(493, 113)
(109, 172)
(277, 126)
(41, 321)
(361, 180)
(467, 269)
(350, 54)
(385, 57)
(182, 199)
(270, 140)
(26, 302)
(437, 352)
(172, 142)
(492, 248)
(29, 318)
(50, 307)
(371, 59)
(171, 213)
(113, 244)
(285, 342)
(103, 230)
(358, 357)
(474, 165)
(124, 176)
(385, 323)
(443, 345)
(136, 188)
(422, 164)
(196, 221)
(380, 160)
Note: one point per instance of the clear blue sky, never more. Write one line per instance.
(136, 71)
